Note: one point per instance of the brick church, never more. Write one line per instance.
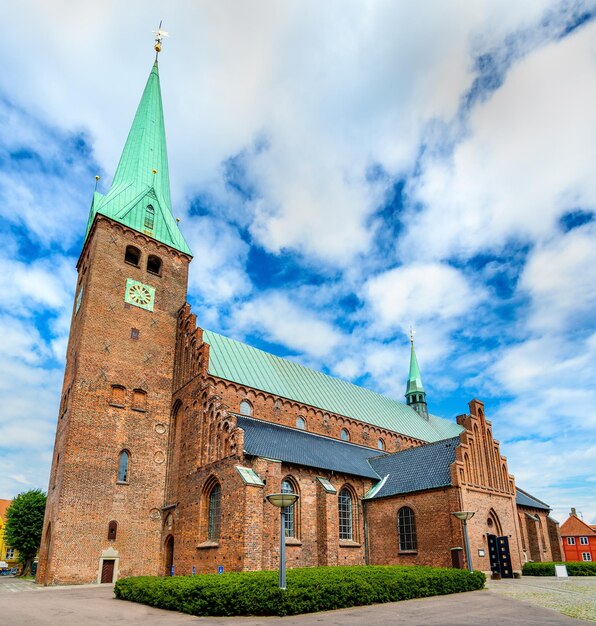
(169, 436)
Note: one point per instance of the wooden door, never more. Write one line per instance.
(107, 571)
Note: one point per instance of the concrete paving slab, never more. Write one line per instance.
(95, 604)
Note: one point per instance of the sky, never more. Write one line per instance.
(342, 171)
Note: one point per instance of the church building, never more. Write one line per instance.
(170, 436)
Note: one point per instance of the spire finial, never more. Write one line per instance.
(159, 37)
(412, 333)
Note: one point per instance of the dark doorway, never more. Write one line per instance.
(500, 559)
(169, 555)
(107, 571)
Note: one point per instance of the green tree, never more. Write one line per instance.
(24, 523)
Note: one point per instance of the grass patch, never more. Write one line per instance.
(574, 568)
(309, 589)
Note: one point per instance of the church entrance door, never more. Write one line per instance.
(500, 558)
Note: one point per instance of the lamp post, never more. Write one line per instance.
(282, 500)
(464, 516)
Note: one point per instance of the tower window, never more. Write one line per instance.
(300, 423)
(154, 264)
(380, 444)
(112, 530)
(132, 255)
(123, 466)
(149, 217)
(245, 408)
(118, 395)
(139, 400)
(345, 435)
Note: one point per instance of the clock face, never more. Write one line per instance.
(139, 294)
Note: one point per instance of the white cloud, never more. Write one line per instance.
(275, 317)
(526, 158)
(217, 272)
(560, 278)
(418, 293)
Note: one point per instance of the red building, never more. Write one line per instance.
(579, 539)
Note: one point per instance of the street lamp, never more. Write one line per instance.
(282, 500)
(464, 516)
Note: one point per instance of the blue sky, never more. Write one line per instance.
(342, 170)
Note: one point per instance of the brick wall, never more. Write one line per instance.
(97, 422)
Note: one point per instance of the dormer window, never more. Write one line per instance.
(149, 217)
(132, 255)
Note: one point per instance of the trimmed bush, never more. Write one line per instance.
(309, 589)
(574, 568)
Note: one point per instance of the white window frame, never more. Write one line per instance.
(586, 556)
(570, 541)
(584, 541)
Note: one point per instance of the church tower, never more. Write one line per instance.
(415, 394)
(107, 482)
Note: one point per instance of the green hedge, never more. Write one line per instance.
(574, 568)
(309, 589)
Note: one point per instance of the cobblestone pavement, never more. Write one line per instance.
(575, 597)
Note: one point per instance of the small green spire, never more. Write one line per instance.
(415, 394)
(140, 193)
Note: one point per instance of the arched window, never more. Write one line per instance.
(214, 513)
(123, 466)
(112, 530)
(406, 528)
(139, 400)
(346, 514)
(245, 408)
(380, 444)
(290, 512)
(154, 264)
(149, 217)
(345, 435)
(300, 423)
(132, 255)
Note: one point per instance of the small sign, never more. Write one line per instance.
(220, 569)
(194, 570)
(481, 552)
(172, 570)
(561, 571)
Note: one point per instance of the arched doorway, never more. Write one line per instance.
(169, 555)
(498, 547)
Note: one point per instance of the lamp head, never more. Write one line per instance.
(282, 500)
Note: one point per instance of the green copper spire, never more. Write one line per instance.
(140, 193)
(415, 394)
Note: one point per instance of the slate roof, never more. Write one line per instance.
(415, 469)
(240, 363)
(523, 498)
(290, 445)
